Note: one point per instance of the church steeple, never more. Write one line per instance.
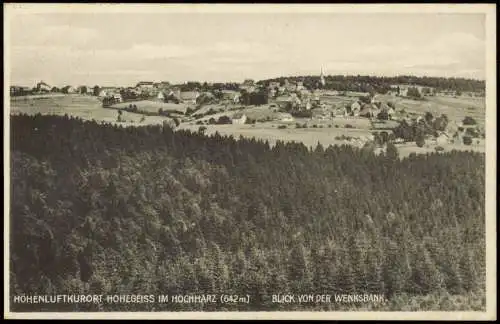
(322, 77)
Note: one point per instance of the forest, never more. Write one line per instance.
(383, 84)
(104, 209)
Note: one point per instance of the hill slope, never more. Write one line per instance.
(108, 210)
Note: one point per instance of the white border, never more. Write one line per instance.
(488, 9)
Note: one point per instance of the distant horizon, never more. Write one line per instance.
(240, 81)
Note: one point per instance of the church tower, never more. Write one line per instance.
(322, 78)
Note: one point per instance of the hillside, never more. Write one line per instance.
(145, 210)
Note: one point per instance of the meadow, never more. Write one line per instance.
(85, 107)
(267, 128)
(152, 106)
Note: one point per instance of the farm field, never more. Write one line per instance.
(408, 148)
(85, 107)
(325, 133)
(317, 131)
(37, 96)
(269, 131)
(152, 106)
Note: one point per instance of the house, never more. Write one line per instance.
(145, 85)
(318, 114)
(69, 89)
(228, 94)
(295, 99)
(189, 96)
(107, 92)
(273, 85)
(386, 108)
(248, 88)
(239, 118)
(308, 105)
(159, 87)
(442, 138)
(286, 117)
(117, 97)
(248, 82)
(19, 91)
(355, 108)
(368, 110)
(85, 90)
(248, 85)
(299, 86)
(43, 87)
(282, 101)
(289, 86)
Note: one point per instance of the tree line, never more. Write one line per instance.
(360, 83)
(105, 209)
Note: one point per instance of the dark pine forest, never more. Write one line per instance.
(103, 209)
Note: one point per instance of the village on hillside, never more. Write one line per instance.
(400, 113)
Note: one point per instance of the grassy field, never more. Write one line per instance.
(410, 147)
(37, 96)
(153, 106)
(269, 131)
(85, 107)
(317, 131)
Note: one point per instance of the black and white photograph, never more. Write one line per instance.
(250, 161)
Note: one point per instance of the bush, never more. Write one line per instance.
(224, 120)
(467, 140)
(474, 133)
(383, 115)
(212, 121)
(469, 121)
(330, 126)
(302, 113)
(348, 126)
(439, 148)
(315, 126)
(281, 126)
(336, 126)
(297, 125)
(199, 122)
(420, 141)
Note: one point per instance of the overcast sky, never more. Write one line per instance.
(122, 49)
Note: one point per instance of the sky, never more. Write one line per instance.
(111, 49)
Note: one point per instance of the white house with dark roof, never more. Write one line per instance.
(42, 86)
(239, 118)
(189, 96)
(145, 86)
